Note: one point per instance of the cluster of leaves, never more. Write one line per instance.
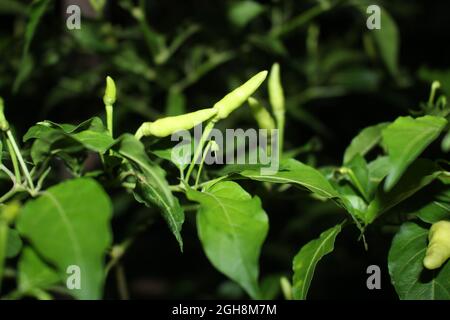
(47, 225)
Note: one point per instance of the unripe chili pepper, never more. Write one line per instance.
(276, 95)
(438, 250)
(109, 99)
(4, 125)
(110, 92)
(166, 126)
(238, 96)
(262, 116)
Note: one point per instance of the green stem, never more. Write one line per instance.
(13, 157)
(199, 149)
(212, 181)
(121, 282)
(205, 153)
(109, 119)
(434, 86)
(298, 21)
(9, 194)
(21, 161)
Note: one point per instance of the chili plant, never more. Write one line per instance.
(55, 236)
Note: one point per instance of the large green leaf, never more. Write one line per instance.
(151, 185)
(297, 173)
(408, 275)
(232, 227)
(68, 224)
(367, 139)
(306, 260)
(35, 273)
(421, 173)
(405, 139)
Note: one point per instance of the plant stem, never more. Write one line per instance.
(205, 152)
(19, 157)
(298, 21)
(121, 282)
(198, 151)
(9, 194)
(109, 119)
(13, 157)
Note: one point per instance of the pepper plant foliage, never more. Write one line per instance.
(55, 227)
(52, 228)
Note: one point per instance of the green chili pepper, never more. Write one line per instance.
(276, 95)
(438, 250)
(4, 125)
(262, 116)
(110, 92)
(166, 126)
(237, 97)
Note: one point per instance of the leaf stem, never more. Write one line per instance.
(21, 161)
(201, 143)
(13, 157)
(121, 282)
(205, 152)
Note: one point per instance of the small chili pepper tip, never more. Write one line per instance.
(110, 92)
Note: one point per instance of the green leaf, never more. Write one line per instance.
(90, 133)
(408, 275)
(151, 185)
(445, 144)
(358, 173)
(297, 173)
(378, 170)
(365, 141)
(69, 225)
(66, 138)
(387, 40)
(242, 12)
(438, 209)
(35, 273)
(421, 173)
(306, 260)
(36, 11)
(14, 244)
(405, 139)
(232, 227)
